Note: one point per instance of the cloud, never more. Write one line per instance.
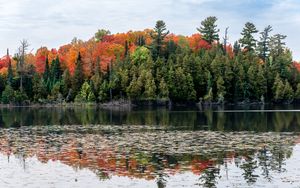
(56, 22)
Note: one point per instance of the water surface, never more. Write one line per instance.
(181, 147)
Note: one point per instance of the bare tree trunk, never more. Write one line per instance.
(21, 60)
(225, 40)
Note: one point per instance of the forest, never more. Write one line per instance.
(155, 65)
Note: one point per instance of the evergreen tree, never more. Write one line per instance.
(263, 44)
(39, 88)
(66, 83)
(288, 92)
(126, 49)
(277, 45)
(56, 71)
(221, 92)
(248, 41)
(150, 88)
(236, 48)
(78, 77)
(8, 95)
(46, 74)
(96, 79)
(158, 36)
(278, 89)
(163, 89)
(297, 93)
(209, 30)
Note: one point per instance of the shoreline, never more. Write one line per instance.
(141, 103)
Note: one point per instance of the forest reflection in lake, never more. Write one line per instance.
(192, 147)
(257, 118)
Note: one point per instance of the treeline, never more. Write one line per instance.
(160, 66)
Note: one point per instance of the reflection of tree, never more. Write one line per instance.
(106, 153)
(157, 162)
(209, 177)
(249, 165)
(279, 154)
(264, 161)
(102, 175)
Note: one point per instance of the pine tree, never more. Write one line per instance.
(248, 41)
(158, 36)
(263, 44)
(277, 45)
(209, 30)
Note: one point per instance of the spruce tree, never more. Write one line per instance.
(46, 74)
(78, 77)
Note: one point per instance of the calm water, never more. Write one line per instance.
(179, 147)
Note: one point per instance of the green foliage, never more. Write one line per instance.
(158, 35)
(86, 94)
(209, 30)
(248, 41)
(150, 88)
(100, 34)
(297, 93)
(170, 68)
(20, 97)
(209, 96)
(277, 45)
(263, 44)
(220, 89)
(140, 55)
(103, 92)
(8, 95)
(55, 72)
(78, 77)
(163, 89)
(39, 88)
(66, 83)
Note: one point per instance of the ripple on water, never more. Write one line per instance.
(144, 156)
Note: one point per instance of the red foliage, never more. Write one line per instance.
(296, 65)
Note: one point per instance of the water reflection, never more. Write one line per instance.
(155, 155)
(219, 119)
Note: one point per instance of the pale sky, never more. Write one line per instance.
(53, 23)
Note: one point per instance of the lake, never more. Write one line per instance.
(256, 146)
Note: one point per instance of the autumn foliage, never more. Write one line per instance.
(108, 50)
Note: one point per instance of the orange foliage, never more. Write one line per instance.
(40, 58)
(105, 51)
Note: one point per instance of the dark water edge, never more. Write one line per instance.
(264, 118)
